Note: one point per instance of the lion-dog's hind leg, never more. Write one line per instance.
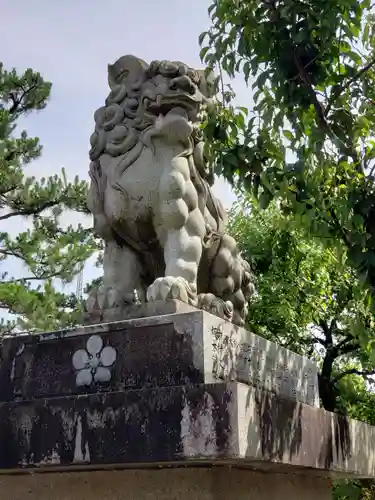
(180, 227)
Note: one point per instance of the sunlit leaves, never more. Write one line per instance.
(300, 281)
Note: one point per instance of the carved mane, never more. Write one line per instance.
(123, 124)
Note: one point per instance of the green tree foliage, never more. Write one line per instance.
(43, 250)
(307, 300)
(311, 302)
(360, 404)
(308, 140)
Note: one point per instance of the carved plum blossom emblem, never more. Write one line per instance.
(93, 363)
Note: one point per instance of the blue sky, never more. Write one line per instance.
(70, 43)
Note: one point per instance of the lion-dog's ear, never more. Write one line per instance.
(127, 70)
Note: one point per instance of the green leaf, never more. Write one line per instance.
(288, 135)
(356, 58)
(246, 70)
(202, 36)
(261, 80)
(264, 200)
(231, 159)
(366, 32)
(203, 53)
(244, 110)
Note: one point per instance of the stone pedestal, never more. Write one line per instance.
(210, 483)
(183, 403)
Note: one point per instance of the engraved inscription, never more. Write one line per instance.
(261, 363)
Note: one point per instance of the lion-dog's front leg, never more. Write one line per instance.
(121, 285)
(180, 227)
(123, 282)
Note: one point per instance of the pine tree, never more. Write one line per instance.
(46, 251)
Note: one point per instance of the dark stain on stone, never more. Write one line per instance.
(137, 425)
(122, 427)
(8, 351)
(342, 437)
(285, 424)
(280, 425)
(10, 441)
(337, 440)
(223, 426)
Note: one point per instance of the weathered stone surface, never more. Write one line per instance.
(123, 427)
(280, 431)
(209, 423)
(218, 483)
(240, 355)
(151, 197)
(133, 311)
(146, 356)
(155, 351)
(163, 390)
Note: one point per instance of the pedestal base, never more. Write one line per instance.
(215, 483)
(181, 405)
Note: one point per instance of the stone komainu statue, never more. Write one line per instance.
(151, 198)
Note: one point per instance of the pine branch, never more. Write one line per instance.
(30, 211)
(11, 253)
(17, 102)
(35, 277)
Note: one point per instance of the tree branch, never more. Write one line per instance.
(372, 169)
(319, 341)
(321, 113)
(3, 305)
(34, 278)
(7, 331)
(319, 109)
(344, 342)
(347, 85)
(317, 105)
(328, 342)
(5, 190)
(16, 102)
(9, 253)
(340, 228)
(30, 211)
(340, 349)
(346, 349)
